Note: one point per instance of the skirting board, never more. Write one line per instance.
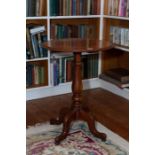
(114, 89)
(65, 88)
(36, 93)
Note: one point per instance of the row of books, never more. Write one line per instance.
(118, 8)
(119, 36)
(62, 68)
(74, 7)
(35, 8)
(35, 75)
(34, 38)
(117, 76)
(72, 31)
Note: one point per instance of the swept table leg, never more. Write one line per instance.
(66, 126)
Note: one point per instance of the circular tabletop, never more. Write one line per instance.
(77, 45)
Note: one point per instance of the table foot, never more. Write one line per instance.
(78, 114)
(91, 124)
(66, 126)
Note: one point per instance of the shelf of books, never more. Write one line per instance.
(62, 68)
(36, 8)
(55, 19)
(117, 32)
(115, 68)
(115, 64)
(74, 7)
(36, 56)
(36, 34)
(75, 28)
(117, 8)
(36, 74)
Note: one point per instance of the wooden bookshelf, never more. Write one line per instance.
(91, 24)
(118, 8)
(38, 22)
(88, 17)
(119, 56)
(101, 21)
(39, 78)
(36, 8)
(113, 22)
(115, 59)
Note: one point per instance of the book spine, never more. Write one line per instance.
(33, 7)
(122, 36)
(29, 79)
(29, 42)
(64, 7)
(63, 70)
(35, 46)
(55, 72)
(36, 75)
(42, 81)
(44, 39)
(39, 44)
(127, 9)
(110, 7)
(37, 29)
(73, 7)
(122, 8)
(37, 8)
(88, 6)
(60, 7)
(41, 7)
(78, 7)
(52, 7)
(51, 72)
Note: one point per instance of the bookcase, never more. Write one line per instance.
(116, 30)
(65, 19)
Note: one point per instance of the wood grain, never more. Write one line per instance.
(77, 45)
(109, 109)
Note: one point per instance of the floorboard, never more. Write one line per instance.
(109, 109)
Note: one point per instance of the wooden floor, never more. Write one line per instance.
(109, 109)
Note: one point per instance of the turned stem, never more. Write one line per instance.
(77, 82)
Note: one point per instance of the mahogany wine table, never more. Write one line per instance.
(76, 112)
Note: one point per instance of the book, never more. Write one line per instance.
(54, 7)
(120, 74)
(51, 72)
(31, 7)
(42, 7)
(29, 43)
(127, 9)
(74, 9)
(113, 81)
(37, 29)
(29, 75)
(55, 71)
(122, 8)
(119, 35)
(35, 46)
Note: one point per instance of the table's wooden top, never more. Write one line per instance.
(77, 45)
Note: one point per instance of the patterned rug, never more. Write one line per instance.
(79, 142)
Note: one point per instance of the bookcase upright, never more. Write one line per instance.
(63, 19)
